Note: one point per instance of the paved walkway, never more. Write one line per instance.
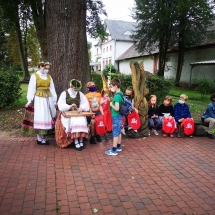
(153, 176)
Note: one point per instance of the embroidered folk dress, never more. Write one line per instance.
(41, 92)
(74, 126)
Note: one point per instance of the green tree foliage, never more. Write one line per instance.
(33, 46)
(94, 25)
(155, 20)
(14, 12)
(204, 86)
(10, 90)
(193, 20)
(172, 24)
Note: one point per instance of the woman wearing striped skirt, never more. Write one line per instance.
(41, 105)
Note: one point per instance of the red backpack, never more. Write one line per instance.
(100, 126)
(168, 125)
(134, 120)
(188, 126)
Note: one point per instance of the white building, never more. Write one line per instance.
(117, 43)
(204, 52)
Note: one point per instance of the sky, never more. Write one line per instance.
(118, 9)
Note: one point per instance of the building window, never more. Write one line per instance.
(107, 49)
(106, 61)
(110, 48)
(110, 60)
(97, 51)
(103, 50)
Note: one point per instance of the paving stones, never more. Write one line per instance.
(155, 175)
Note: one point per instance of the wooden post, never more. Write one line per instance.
(139, 77)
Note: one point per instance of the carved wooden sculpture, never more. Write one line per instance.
(139, 77)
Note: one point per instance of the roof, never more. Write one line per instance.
(133, 53)
(203, 63)
(119, 30)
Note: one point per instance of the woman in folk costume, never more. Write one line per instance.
(41, 105)
(74, 128)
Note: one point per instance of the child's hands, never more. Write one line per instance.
(136, 110)
(155, 116)
(166, 116)
(170, 117)
(180, 120)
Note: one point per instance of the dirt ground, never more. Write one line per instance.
(11, 122)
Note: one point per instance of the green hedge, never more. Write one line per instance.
(156, 85)
(159, 86)
(10, 88)
(98, 81)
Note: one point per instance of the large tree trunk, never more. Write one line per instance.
(39, 17)
(181, 52)
(140, 91)
(67, 42)
(23, 58)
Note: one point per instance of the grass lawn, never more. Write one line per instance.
(196, 103)
(23, 100)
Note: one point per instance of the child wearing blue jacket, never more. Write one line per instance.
(181, 111)
(209, 116)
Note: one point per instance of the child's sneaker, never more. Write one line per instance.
(164, 135)
(172, 135)
(111, 152)
(149, 133)
(154, 132)
(123, 131)
(118, 149)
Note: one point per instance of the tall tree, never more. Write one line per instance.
(11, 10)
(67, 24)
(194, 17)
(38, 9)
(155, 20)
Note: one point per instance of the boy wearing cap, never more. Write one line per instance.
(94, 101)
(75, 127)
(41, 105)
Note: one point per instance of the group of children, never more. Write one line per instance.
(156, 115)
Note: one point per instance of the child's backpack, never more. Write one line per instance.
(124, 107)
(188, 126)
(168, 125)
(100, 126)
(134, 120)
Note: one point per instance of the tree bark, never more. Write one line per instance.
(181, 52)
(67, 42)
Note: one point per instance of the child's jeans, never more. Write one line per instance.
(155, 123)
(116, 125)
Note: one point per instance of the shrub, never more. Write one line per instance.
(98, 81)
(10, 90)
(204, 86)
(159, 86)
(107, 69)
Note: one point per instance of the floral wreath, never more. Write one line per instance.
(75, 84)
